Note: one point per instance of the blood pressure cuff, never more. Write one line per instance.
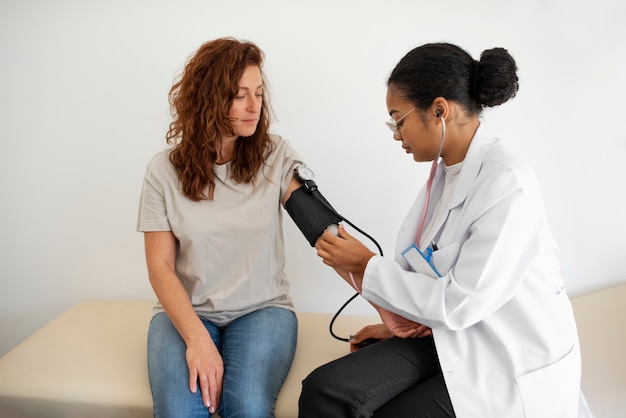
(311, 213)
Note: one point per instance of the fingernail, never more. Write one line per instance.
(212, 410)
(208, 404)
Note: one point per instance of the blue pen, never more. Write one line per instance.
(429, 258)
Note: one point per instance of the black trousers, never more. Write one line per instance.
(398, 378)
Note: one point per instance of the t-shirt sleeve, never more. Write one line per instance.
(152, 209)
(290, 160)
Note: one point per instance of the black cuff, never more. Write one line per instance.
(309, 213)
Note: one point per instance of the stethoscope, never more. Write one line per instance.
(322, 200)
(433, 170)
(431, 177)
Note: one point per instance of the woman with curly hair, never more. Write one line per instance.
(476, 320)
(223, 333)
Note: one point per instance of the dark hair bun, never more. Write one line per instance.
(495, 77)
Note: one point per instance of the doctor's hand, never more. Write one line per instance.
(343, 252)
(377, 331)
(402, 327)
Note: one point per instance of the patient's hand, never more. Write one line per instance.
(402, 327)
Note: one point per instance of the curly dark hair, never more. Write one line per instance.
(200, 103)
(445, 70)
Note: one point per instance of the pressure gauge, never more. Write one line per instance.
(304, 173)
(305, 176)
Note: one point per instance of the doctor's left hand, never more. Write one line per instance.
(400, 326)
(343, 252)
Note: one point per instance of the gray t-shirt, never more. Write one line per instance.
(230, 250)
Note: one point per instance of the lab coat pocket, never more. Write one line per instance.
(445, 257)
(553, 390)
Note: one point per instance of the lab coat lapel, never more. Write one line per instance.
(471, 167)
(467, 177)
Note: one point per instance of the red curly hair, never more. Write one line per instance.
(200, 103)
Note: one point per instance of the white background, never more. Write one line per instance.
(83, 89)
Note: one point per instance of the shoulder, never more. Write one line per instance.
(160, 164)
(505, 167)
(160, 159)
(281, 148)
(498, 173)
(278, 142)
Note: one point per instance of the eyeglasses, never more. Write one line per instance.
(393, 124)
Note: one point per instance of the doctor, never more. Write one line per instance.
(476, 320)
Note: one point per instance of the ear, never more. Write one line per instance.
(440, 107)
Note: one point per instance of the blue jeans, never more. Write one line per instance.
(257, 350)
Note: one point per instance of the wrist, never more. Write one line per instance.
(354, 284)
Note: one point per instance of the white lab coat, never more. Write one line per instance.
(502, 322)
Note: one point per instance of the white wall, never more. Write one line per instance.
(83, 88)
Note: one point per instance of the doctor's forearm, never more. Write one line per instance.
(345, 275)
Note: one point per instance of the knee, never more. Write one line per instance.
(248, 405)
(315, 388)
